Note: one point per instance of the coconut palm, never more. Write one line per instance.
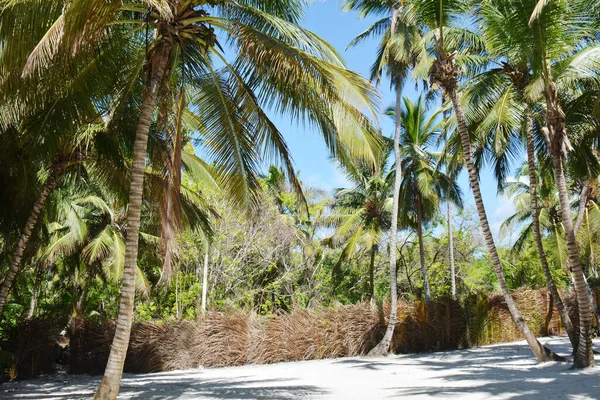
(74, 151)
(84, 224)
(397, 53)
(52, 121)
(503, 117)
(268, 42)
(423, 184)
(437, 17)
(361, 214)
(550, 33)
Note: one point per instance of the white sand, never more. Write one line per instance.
(505, 371)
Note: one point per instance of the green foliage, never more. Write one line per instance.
(68, 112)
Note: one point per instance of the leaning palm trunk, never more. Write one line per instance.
(422, 250)
(383, 347)
(556, 136)
(109, 387)
(444, 74)
(15, 265)
(535, 219)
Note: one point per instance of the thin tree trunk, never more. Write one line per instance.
(109, 387)
(550, 284)
(549, 314)
(177, 295)
(36, 290)
(426, 287)
(205, 282)
(15, 264)
(171, 207)
(451, 251)
(540, 352)
(592, 263)
(583, 198)
(372, 272)
(383, 347)
(83, 296)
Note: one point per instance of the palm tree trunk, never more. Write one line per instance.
(384, 345)
(541, 353)
(36, 291)
(109, 387)
(84, 292)
(549, 314)
(592, 262)
(422, 250)
(583, 198)
(564, 316)
(205, 282)
(584, 357)
(15, 264)
(556, 136)
(451, 251)
(372, 272)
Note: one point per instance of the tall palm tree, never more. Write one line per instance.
(268, 41)
(437, 15)
(56, 119)
(398, 52)
(423, 184)
(552, 34)
(503, 115)
(361, 214)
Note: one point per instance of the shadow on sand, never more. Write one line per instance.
(500, 372)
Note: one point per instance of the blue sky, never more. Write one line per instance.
(307, 147)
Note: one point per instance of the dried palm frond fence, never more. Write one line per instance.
(219, 339)
(31, 348)
(227, 339)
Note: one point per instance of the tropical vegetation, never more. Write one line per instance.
(143, 178)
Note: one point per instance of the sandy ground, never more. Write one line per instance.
(504, 371)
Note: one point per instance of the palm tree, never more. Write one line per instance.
(437, 15)
(85, 225)
(553, 31)
(268, 41)
(423, 185)
(398, 52)
(54, 123)
(503, 115)
(361, 214)
(74, 150)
